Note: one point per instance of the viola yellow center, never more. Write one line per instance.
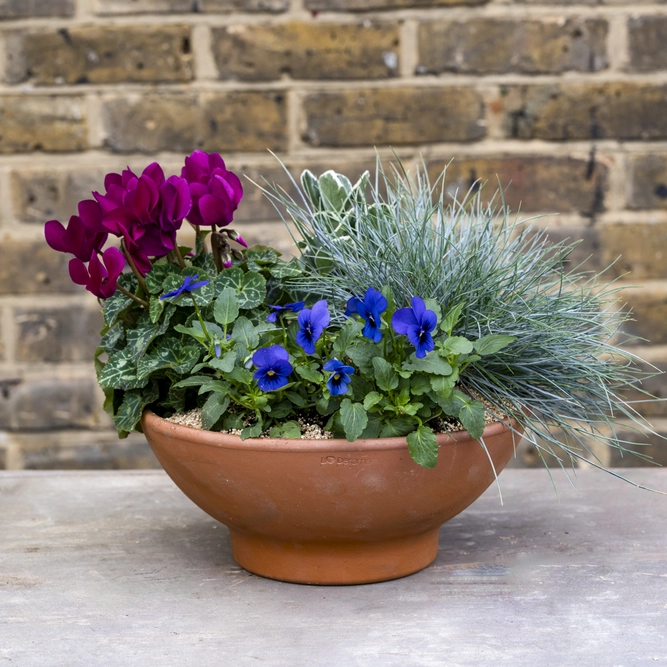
(270, 373)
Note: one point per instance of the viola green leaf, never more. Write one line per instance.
(423, 447)
(226, 308)
(385, 376)
(216, 405)
(431, 363)
(471, 415)
(492, 343)
(353, 418)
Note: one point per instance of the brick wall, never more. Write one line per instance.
(567, 99)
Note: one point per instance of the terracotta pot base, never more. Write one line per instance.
(334, 563)
(328, 511)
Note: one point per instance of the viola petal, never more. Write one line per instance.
(402, 319)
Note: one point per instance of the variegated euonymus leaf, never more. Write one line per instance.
(172, 354)
(353, 418)
(120, 372)
(334, 189)
(311, 187)
(423, 447)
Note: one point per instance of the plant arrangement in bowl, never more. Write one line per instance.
(335, 409)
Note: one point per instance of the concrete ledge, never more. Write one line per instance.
(119, 568)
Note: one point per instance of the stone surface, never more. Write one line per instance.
(544, 184)
(107, 54)
(647, 36)
(393, 116)
(22, 9)
(252, 6)
(150, 123)
(648, 182)
(365, 5)
(641, 250)
(306, 51)
(50, 402)
(649, 307)
(560, 112)
(144, 6)
(492, 46)
(67, 450)
(30, 267)
(57, 334)
(124, 560)
(251, 121)
(46, 123)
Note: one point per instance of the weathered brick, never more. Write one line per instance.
(20, 9)
(48, 123)
(648, 182)
(560, 112)
(250, 6)
(393, 116)
(3, 457)
(38, 195)
(72, 450)
(107, 54)
(649, 308)
(367, 5)
(244, 121)
(50, 402)
(29, 267)
(149, 123)
(144, 6)
(653, 445)
(585, 254)
(69, 333)
(647, 43)
(545, 184)
(487, 46)
(655, 386)
(641, 247)
(306, 51)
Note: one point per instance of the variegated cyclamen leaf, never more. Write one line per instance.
(112, 338)
(228, 278)
(170, 354)
(155, 309)
(253, 290)
(157, 275)
(285, 269)
(120, 372)
(139, 338)
(115, 305)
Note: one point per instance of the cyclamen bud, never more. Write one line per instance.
(235, 236)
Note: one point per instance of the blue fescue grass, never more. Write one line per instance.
(563, 377)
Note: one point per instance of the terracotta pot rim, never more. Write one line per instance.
(227, 441)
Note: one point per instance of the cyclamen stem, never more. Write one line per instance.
(133, 266)
(134, 297)
(179, 257)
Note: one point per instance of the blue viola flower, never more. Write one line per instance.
(312, 323)
(273, 367)
(340, 376)
(370, 309)
(292, 307)
(187, 286)
(416, 323)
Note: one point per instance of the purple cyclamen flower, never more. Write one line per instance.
(416, 323)
(370, 309)
(187, 286)
(292, 307)
(99, 278)
(273, 367)
(216, 191)
(312, 323)
(84, 234)
(340, 376)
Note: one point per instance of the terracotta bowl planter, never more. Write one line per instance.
(328, 511)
